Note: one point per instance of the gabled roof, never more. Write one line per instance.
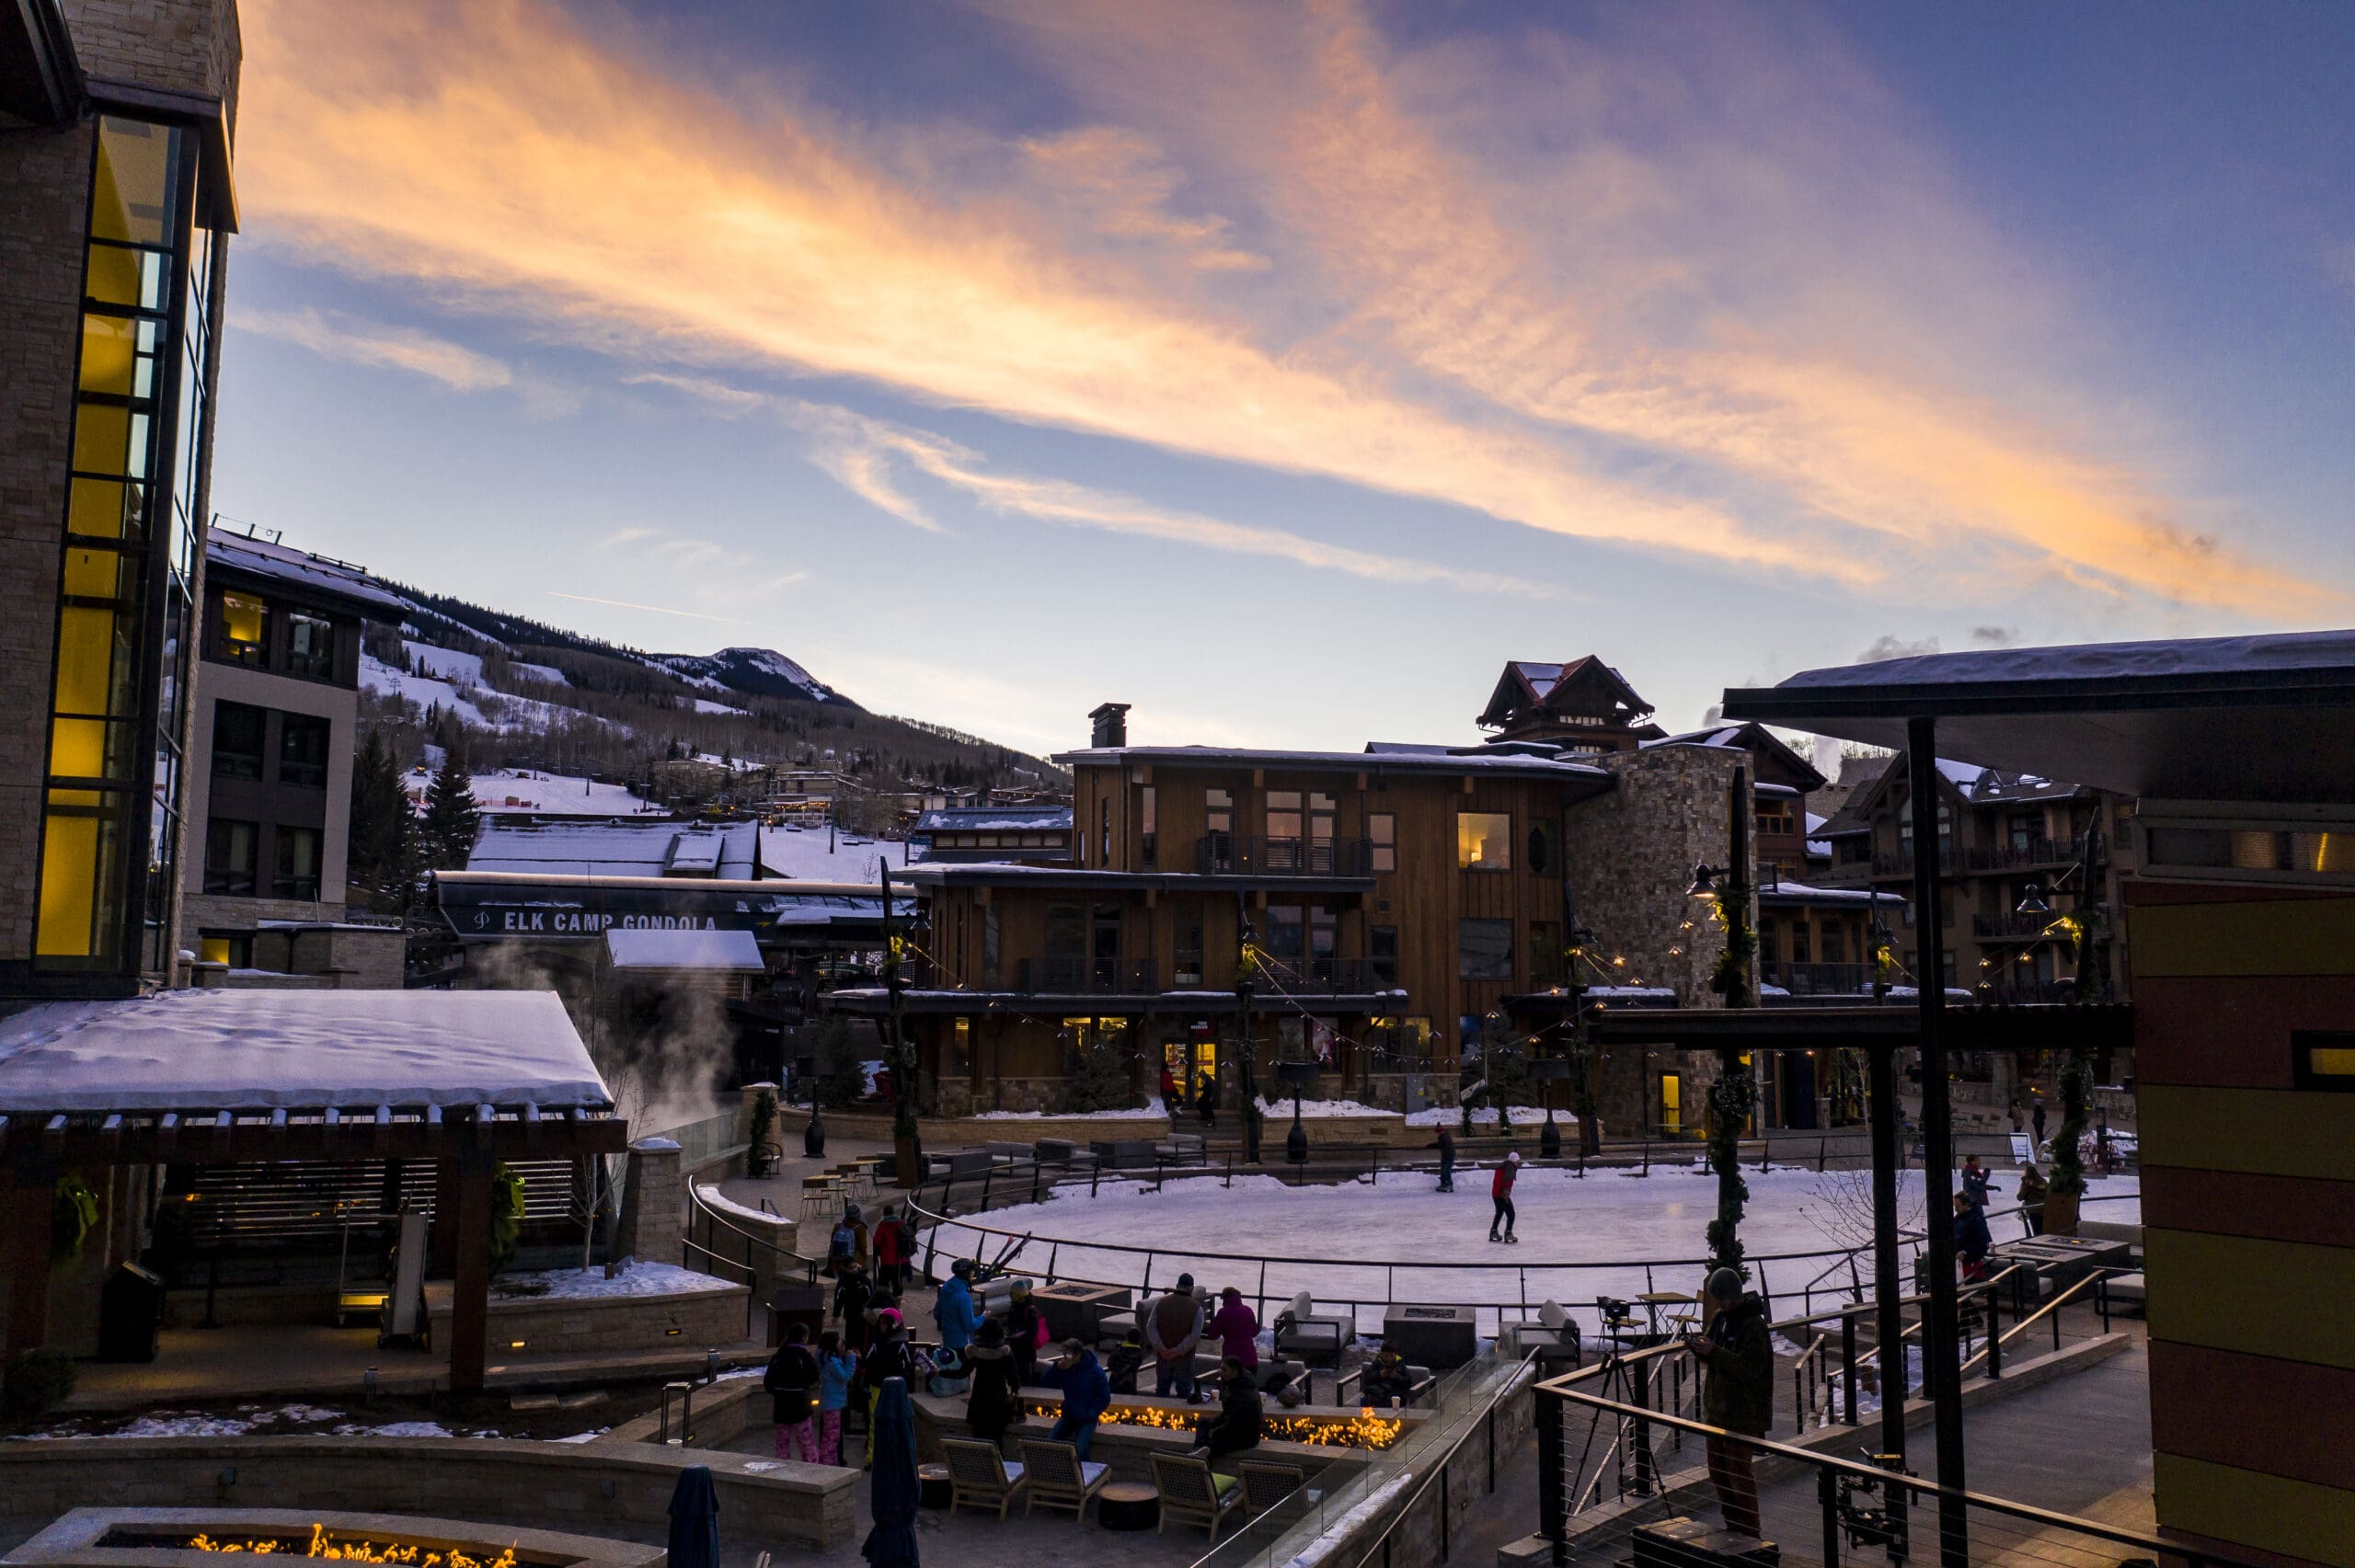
(1972, 784)
(1528, 687)
(1760, 743)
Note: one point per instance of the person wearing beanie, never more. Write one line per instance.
(1026, 1331)
(1736, 1355)
(952, 1309)
(1238, 1328)
(994, 1406)
(1501, 1191)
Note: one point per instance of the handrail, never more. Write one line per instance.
(2043, 1518)
(2093, 1277)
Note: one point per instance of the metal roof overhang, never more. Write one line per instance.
(2221, 735)
(2029, 1027)
(873, 1004)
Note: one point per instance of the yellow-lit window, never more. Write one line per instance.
(214, 950)
(1483, 840)
(245, 628)
(1671, 1103)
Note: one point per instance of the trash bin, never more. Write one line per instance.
(131, 1314)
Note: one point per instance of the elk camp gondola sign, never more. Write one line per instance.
(513, 906)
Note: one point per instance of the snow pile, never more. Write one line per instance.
(1486, 1116)
(421, 691)
(805, 855)
(1312, 1109)
(395, 1429)
(1369, 1508)
(444, 664)
(706, 706)
(728, 951)
(257, 1050)
(549, 794)
(713, 1197)
(641, 1278)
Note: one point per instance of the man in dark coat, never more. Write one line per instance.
(1241, 1412)
(1737, 1393)
(1446, 1158)
(853, 1294)
(1088, 1394)
(792, 1384)
(1025, 1326)
(994, 1406)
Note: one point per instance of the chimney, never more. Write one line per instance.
(1112, 722)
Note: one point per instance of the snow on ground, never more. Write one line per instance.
(1486, 1116)
(802, 854)
(1431, 1246)
(548, 672)
(424, 691)
(706, 706)
(444, 664)
(547, 795)
(641, 1278)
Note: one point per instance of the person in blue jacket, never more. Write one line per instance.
(952, 1309)
(1088, 1394)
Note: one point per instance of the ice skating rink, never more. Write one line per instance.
(1403, 1241)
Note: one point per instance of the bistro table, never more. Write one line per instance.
(1128, 1505)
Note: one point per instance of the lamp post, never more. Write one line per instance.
(1548, 1072)
(1247, 962)
(901, 1054)
(1297, 1076)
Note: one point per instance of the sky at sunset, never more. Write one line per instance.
(1284, 369)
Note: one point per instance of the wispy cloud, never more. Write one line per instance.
(650, 609)
(1752, 334)
(355, 341)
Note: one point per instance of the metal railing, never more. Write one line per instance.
(1825, 978)
(2019, 927)
(1243, 854)
(1086, 977)
(2013, 855)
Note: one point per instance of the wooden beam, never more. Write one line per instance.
(470, 1290)
(27, 1199)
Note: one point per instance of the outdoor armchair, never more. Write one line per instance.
(1192, 1494)
(1060, 1478)
(979, 1476)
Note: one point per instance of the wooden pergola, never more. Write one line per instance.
(464, 1079)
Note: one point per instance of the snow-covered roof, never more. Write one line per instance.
(733, 952)
(1807, 893)
(2096, 661)
(263, 1050)
(618, 847)
(320, 574)
(996, 820)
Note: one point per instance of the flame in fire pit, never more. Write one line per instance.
(354, 1549)
(1363, 1430)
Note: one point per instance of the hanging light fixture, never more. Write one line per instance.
(2032, 902)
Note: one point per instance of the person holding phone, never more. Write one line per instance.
(1737, 1357)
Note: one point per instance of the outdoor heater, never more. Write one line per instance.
(1298, 1075)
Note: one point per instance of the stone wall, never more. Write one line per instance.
(654, 1202)
(182, 46)
(538, 1326)
(591, 1488)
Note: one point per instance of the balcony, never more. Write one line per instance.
(2021, 855)
(1802, 978)
(1901, 862)
(1086, 977)
(1325, 976)
(2016, 927)
(1235, 854)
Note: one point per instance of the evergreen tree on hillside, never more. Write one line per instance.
(452, 819)
(383, 829)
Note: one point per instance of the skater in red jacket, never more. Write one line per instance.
(1500, 1189)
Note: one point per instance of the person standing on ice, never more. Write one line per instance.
(1446, 1147)
(1500, 1189)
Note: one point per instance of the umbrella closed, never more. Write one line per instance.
(695, 1520)
(892, 1542)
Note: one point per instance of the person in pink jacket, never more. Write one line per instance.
(1237, 1329)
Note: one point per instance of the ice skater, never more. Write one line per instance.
(1500, 1189)
(1446, 1147)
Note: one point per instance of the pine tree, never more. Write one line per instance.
(452, 817)
(383, 829)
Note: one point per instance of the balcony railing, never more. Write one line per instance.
(1802, 978)
(1237, 854)
(1901, 862)
(2016, 927)
(1325, 976)
(1086, 977)
(2021, 853)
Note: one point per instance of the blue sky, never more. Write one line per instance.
(1283, 371)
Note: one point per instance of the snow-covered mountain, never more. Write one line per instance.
(759, 671)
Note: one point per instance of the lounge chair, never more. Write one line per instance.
(1193, 1494)
(1060, 1478)
(980, 1477)
(1265, 1485)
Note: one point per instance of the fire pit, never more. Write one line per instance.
(1366, 1428)
(180, 1538)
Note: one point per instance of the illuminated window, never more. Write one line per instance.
(1671, 1103)
(233, 948)
(1149, 827)
(1283, 814)
(244, 630)
(1483, 840)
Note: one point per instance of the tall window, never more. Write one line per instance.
(1104, 832)
(1186, 951)
(240, 732)
(230, 851)
(1104, 942)
(1149, 828)
(1324, 940)
(1835, 944)
(1483, 840)
(1285, 932)
(1802, 951)
(1671, 1103)
(1484, 949)
(1381, 954)
(243, 630)
(310, 646)
(302, 750)
(117, 708)
(1321, 819)
(1218, 810)
(1545, 952)
(1382, 834)
(990, 948)
(298, 863)
(1283, 814)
